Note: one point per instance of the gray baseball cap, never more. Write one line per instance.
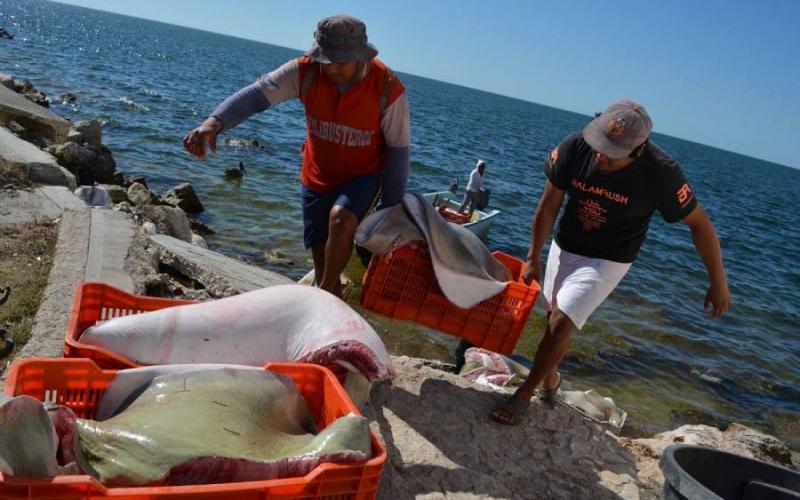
(340, 39)
(620, 129)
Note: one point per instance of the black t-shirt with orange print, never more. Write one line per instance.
(608, 213)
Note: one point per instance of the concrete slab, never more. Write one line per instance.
(220, 275)
(26, 206)
(47, 202)
(111, 234)
(62, 197)
(25, 159)
(50, 324)
(14, 107)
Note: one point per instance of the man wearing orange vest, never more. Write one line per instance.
(358, 136)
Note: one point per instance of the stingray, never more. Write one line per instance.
(292, 323)
(212, 425)
(28, 441)
(466, 271)
(180, 424)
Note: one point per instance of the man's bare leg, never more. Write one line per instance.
(342, 225)
(318, 253)
(552, 348)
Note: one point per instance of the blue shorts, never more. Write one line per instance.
(359, 196)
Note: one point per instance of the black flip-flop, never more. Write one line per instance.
(516, 409)
(548, 396)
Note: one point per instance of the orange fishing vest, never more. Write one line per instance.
(344, 137)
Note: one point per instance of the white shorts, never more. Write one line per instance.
(577, 285)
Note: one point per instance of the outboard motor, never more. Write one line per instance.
(454, 186)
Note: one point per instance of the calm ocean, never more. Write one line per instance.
(649, 346)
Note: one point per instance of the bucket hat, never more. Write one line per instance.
(340, 39)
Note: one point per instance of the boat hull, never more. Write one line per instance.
(480, 223)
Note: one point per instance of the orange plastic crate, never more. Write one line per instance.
(96, 301)
(453, 216)
(80, 383)
(401, 284)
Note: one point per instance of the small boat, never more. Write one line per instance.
(448, 205)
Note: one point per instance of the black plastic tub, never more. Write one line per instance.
(698, 473)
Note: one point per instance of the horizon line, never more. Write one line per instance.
(425, 77)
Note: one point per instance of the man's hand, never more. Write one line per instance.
(206, 134)
(532, 271)
(719, 297)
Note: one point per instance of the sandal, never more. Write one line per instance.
(511, 412)
(548, 396)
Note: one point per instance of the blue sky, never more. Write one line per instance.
(722, 73)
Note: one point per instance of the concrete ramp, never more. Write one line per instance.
(110, 238)
(220, 275)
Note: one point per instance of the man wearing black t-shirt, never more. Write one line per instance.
(614, 178)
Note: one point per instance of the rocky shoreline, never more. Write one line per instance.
(435, 424)
(92, 166)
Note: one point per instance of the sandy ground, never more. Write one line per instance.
(441, 444)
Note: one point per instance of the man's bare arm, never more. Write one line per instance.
(541, 227)
(707, 244)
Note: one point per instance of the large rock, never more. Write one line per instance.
(183, 196)
(89, 164)
(7, 81)
(129, 181)
(119, 178)
(78, 159)
(31, 93)
(737, 439)
(21, 85)
(23, 159)
(140, 195)
(74, 156)
(104, 167)
(171, 221)
(38, 97)
(88, 132)
(118, 194)
(49, 126)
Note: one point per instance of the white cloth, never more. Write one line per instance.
(94, 196)
(475, 181)
(465, 270)
(577, 285)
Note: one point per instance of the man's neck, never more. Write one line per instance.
(617, 168)
(360, 74)
(622, 163)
